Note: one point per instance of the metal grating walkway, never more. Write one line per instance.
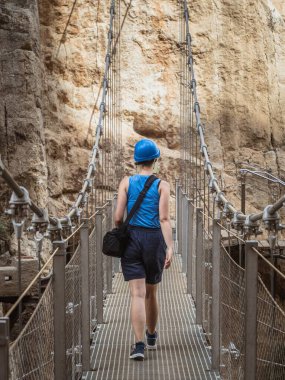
(181, 353)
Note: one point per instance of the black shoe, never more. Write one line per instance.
(138, 351)
(151, 340)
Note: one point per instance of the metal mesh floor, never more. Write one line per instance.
(181, 353)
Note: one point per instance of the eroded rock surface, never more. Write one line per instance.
(22, 141)
(52, 66)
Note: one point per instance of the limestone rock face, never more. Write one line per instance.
(240, 64)
(52, 66)
(22, 141)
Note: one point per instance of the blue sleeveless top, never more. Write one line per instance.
(148, 213)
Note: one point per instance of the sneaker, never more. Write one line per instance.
(138, 351)
(151, 340)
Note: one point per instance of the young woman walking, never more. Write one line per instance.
(150, 247)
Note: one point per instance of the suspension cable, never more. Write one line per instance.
(11, 182)
(213, 182)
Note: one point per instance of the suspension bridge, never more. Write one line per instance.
(220, 318)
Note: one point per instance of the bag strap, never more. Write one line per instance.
(139, 200)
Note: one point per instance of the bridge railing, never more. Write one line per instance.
(242, 322)
(55, 343)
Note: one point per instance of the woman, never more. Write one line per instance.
(146, 254)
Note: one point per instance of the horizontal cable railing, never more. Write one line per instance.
(232, 301)
(227, 272)
(55, 343)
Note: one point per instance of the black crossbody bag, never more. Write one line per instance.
(116, 240)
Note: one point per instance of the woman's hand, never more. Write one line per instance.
(169, 256)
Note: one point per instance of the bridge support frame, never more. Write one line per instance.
(109, 260)
(4, 348)
(85, 294)
(176, 212)
(190, 242)
(116, 261)
(179, 218)
(199, 265)
(185, 229)
(99, 266)
(216, 275)
(59, 310)
(251, 283)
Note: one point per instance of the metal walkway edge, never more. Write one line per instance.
(182, 352)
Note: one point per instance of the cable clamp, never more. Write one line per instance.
(77, 211)
(40, 223)
(218, 199)
(56, 227)
(89, 184)
(199, 126)
(270, 220)
(93, 165)
(208, 166)
(212, 184)
(190, 62)
(197, 105)
(110, 34)
(105, 81)
(103, 107)
(226, 211)
(237, 223)
(108, 58)
(202, 147)
(18, 228)
(112, 10)
(189, 38)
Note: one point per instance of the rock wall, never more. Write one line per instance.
(51, 74)
(22, 140)
(240, 64)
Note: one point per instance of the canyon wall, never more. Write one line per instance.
(52, 61)
(22, 137)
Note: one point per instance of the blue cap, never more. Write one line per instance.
(146, 150)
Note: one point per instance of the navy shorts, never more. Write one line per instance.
(145, 255)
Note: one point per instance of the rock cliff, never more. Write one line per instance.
(52, 58)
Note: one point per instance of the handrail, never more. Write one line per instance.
(264, 175)
(25, 292)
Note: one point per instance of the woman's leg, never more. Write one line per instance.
(151, 307)
(138, 316)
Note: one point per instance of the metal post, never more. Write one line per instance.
(184, 226)
(199, 265)
(20, 308)
(179, 216)
(190, 239)
(99, 267)
(243, 194)
(251, 281)
(109, 262)
(85, 294)
(216, 295)
(59, 307)
(4, 348)
(116, 260)
(176, 210)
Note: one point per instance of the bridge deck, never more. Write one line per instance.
(181, 353)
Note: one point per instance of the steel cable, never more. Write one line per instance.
(213, 182)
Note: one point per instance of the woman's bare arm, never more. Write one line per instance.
(165, 220)
(121, 201)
